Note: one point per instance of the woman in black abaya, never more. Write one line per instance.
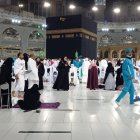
(6, 77)
(62, 81)
(41, 72)
(31, 99)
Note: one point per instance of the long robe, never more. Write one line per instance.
(102, 67)
(92, 77)
(19, 70)
(41, 72)
(31, 99)
(85, 67)
(119, 78)
(47, 67)
(33, 75)
(73, 77)
(6, 77)
(62, 81)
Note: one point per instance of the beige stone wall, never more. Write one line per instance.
(119, 49)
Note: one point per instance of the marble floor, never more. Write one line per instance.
(82, 115)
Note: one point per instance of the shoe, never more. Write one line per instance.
(37, 111)
(118, 104)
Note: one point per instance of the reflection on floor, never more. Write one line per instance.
(82, 115)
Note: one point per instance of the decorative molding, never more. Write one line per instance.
(70, 31)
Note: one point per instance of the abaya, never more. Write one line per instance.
(41, 72)
(6, 77)
(62, 81)
(31, 99)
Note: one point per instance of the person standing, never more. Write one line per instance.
(128, 76)
(92, 82)
(33, 75)
(19, 71)
(62, 81)
(109, 80)
(41, 71)
(6, 77)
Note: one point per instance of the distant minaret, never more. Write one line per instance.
(100, 15)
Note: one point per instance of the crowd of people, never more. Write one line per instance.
(28, 74)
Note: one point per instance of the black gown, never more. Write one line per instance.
(31, 99)
(62, 81)
(41, 72)
(119, 78)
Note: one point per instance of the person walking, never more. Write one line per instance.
(128, 76)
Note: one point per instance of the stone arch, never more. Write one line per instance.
(106, 39)
(37, 43)
(128, 39)
(10, 42)
(11, 36)
(114, 54)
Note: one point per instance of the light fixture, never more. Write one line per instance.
(44, 25)
(72, 6)
(95, 8)
(138, 8)
(117, 10)
(130, 29)
(21, 5)
(16, 21)
(105, 29)
(47, 4)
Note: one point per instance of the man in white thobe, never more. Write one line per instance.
(85, 67)
(33, 75)
(73, 77)
(103, 67)
(19, 71)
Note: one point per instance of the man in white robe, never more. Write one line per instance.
(33, 75)
(47, 70)
(73, 77)
(103, 67)
(85, 67)
(19, 71)
(54, 71)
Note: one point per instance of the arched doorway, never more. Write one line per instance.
(37, 44)
(114, 54)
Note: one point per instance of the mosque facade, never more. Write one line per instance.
(114, 38)
(21, 32)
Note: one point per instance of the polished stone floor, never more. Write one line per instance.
(82, 115)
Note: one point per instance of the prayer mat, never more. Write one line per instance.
(45, 105)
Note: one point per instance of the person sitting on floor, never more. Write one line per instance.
(31, 99)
